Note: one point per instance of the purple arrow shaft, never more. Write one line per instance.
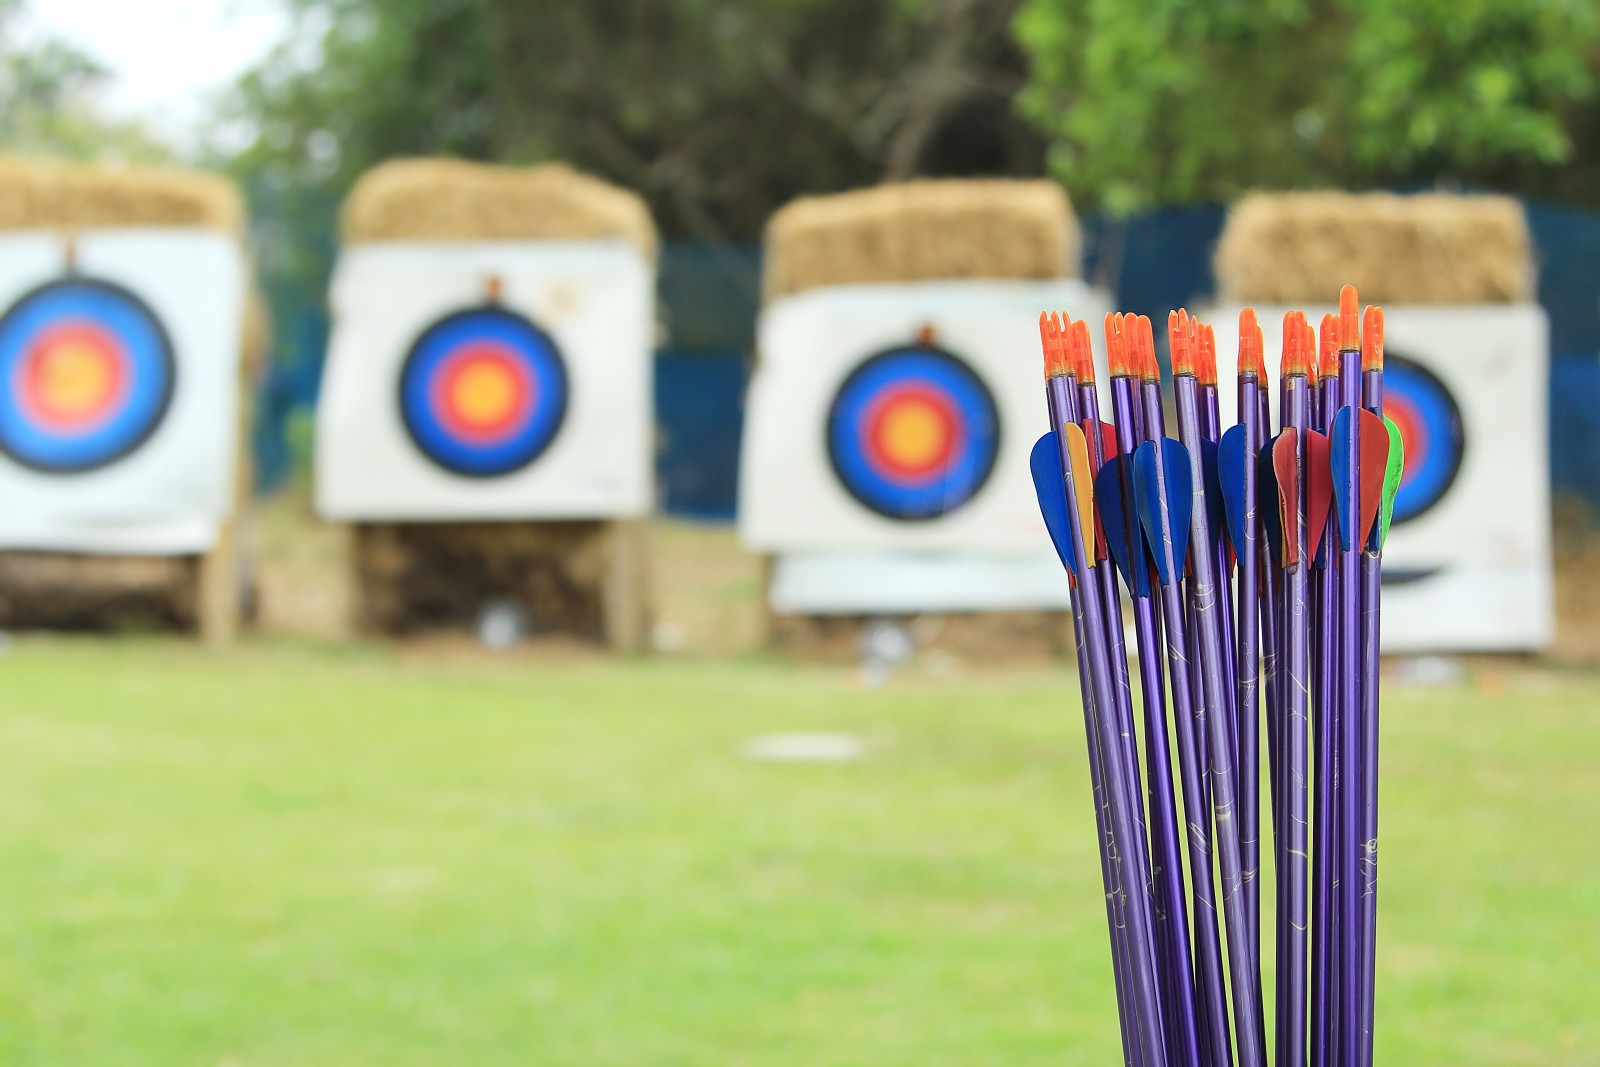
(1210, 985)
(1124, 838)
(1166, 862)
(1347, 757)
(1062, 407)
(1247, 655)
(1293, 833)
(1242, 964)
(1324, 960)
(1371, 602)
(1269, 621)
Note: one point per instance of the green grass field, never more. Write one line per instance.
(296, 854)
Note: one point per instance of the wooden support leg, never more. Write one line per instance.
(220, 583)
(627, 581)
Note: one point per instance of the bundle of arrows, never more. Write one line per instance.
(1248, 562)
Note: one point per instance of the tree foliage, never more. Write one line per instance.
(47, 98)
(718, 111)
(1150, 101)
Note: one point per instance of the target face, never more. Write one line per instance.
(1430, 425)
(88, 372)
(913, 433)
(483, 392)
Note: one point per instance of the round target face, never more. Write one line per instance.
(89, 375)
(1430, 425)
(483, 392)
(913, 433)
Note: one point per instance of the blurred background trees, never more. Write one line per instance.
(717, 112)
(1150, 102)
(47, 91)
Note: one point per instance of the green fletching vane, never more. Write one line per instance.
(1391, 479)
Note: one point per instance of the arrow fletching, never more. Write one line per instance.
(1082, 479)
(1155, 462)
(1339, 462)
(1391, 479)
(1267, 489)
(1374, 470)
(1230, 477)
(1113, 488)
(1050, 485)
(1216, 516)
(1319, 494)
(1286, 465)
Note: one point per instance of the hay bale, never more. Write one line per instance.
(1426, 248)
(452, 200)
(40, 195)
(68, 591)
(919, 231)
(425, 577)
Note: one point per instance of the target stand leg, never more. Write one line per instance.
(627, 583)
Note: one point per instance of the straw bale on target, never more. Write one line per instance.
(577, 577)
(1419, 249)
(453, 200)
(39, 195)
(74, 589)
(979, 231)
(920, 231)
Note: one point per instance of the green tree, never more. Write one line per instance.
(47, 102)
(1152, 101)
(718, 111)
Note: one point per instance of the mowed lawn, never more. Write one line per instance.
(301, 855)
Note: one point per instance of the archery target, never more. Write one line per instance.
(913, 433)
(483, 392)
(1467, 565)
(492, 380)
(89, 373)
(120, 360)
(892, 422)
(1430, 426)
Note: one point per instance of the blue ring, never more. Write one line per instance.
(1428, 477)
(152, 375)
(524, 340)
(881, 490)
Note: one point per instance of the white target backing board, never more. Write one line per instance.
(887, 434)
(119, 420)
(488, 380)
(1467, 566)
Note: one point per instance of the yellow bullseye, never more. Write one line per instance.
(914, 434)
(483, 393)
(75, 378)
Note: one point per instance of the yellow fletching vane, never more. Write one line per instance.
(1083, 487)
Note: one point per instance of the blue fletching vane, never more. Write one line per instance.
(1267, 490)
(1230, 473)
(1120, 519)
(1215, 517)
(1050, 484)
(1173, 461)
(1339, 460)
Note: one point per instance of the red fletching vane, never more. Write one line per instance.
(1285, 461)
(1374, 444)
(1319, 488)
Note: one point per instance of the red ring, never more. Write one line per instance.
(29, 387)
(912, 392)
(1413, 434)
(461, 361)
